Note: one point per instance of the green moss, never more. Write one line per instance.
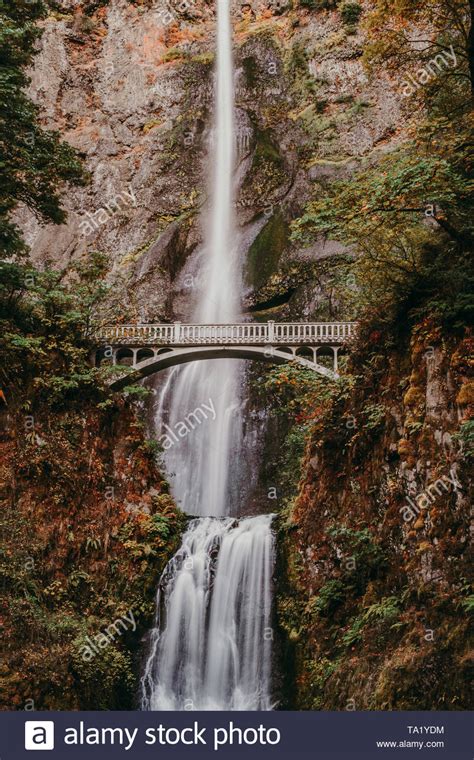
(151, 125)
(267, 172)
(313, 122)
(303, 85)
(329, 163)
(318, 5)
(206, 58)
(58, 16)
(265, 252)
(350, 13)
(266, 151)
(175, 54)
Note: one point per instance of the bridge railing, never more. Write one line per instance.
(244, 333)
(313, 331)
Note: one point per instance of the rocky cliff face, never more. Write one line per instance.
(130, 85)
(375, 551)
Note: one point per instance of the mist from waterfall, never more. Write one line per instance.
(210, 648)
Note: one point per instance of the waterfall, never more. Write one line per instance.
(210, 647)
(211, 644)
(208, 448)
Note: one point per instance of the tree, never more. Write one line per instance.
(34, 163)
(409, 33)
(403, 189)
(409, 217)
(46, 318)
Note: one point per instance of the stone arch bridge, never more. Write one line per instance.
(149, 348)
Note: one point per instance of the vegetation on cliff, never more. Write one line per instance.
(374, 573)
(86, 520)
(35, 163)
(372, 589)
(375, 599)
(87, 523)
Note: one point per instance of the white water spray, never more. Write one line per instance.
(210, 648)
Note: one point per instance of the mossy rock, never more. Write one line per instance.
(250, 68)
(175, 54)
(318, 5)
(350, 13)
(205, 59)
(266, 174)
(266, 250)
(266, 151)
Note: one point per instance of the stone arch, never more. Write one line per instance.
(124, 356)
(305, 352)
(103, 356)
(144, 353)
(324, 356)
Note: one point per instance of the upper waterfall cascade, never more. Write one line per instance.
(202, 485)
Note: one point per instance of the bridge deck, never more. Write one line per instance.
(245, 333)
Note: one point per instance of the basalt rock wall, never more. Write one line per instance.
(130, 85)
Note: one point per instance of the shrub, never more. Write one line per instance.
(468, 604)
(369, 559)
(376, 616)
(375, 415)
(350, 13)
(317, 5)
(465, 436)
(329, 598)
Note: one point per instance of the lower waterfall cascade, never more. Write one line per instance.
(214, 651)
